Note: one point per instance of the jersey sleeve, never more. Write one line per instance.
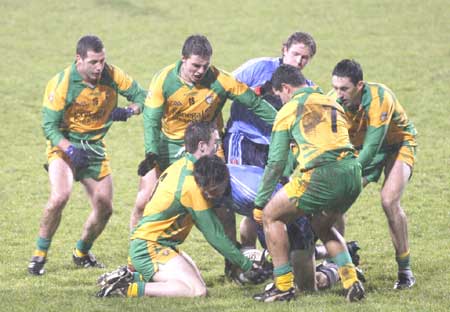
(278, 153)
(207, 222)
(239, 91)
(128, 87)
(153, 113)
(379, 116)
(53, 110)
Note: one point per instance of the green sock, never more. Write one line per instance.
(42, 246)
(403, 261)
(83, 247)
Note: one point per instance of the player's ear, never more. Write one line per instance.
(360, 85)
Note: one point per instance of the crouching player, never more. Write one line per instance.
(244, 182)
(183, 197)
(325, 183)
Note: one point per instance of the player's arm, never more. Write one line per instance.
(53, 113)
(278, 155)
(153, 113)
(239, 91)
(380, 115)
(208, 223)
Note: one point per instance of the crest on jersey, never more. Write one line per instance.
(51, 96)
(383, 116)
(209, 99)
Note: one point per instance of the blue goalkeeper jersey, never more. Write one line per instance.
(254, 73)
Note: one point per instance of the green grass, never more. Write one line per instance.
(404, 44)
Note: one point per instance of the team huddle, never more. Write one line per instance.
(291, 160)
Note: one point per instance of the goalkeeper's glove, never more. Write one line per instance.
(121, 114)
(258, 215)
(78, 157)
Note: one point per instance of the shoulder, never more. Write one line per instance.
(258, 68)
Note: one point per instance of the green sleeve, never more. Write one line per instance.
(372, 143)
(51, 121)
(135, 94)
(208, 223)
(278, 155)
(152, 128)
(257, 105)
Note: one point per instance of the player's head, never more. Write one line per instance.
(201, 138)
(196, 55)
(212, 176)
(347, 81)
(285, 80)
(90, 58)
(299, 49)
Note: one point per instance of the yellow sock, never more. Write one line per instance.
(284, 282)
(78, 253)
(40, 253)
(348, 275)
(133, 290)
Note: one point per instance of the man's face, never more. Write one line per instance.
(284, 94)
(194, 68)
(91, 67)
(348, 93)
(297, 55)
(211, 147)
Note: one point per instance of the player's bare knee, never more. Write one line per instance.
(58, 200)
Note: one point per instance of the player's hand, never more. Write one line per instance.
(121, 114)
(258, 215)
(255, 275)
(78, 157)
(147, 164)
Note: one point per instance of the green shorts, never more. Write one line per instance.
(169, 152)
(403, 152)
(146, 256)
(332, 187)
(98, 166)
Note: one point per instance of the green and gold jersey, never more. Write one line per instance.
(318, 126)
(176, 205)
(378, 123)
(172, 103)
(77, 111)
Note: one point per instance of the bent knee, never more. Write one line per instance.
(58, 200)
(200, 291)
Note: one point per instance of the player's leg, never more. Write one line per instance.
(179, 277)
(61, 182)
(397, 174)
(247, 231)
(278, 212)
(147, 185)
(100, 194)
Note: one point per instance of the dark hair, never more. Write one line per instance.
(287, 74)
(89, 43)
(211, 175)
(349, 68)
(301, 37)
(195, 132)
(196, 45)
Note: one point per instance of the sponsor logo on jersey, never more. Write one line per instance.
(209, 99)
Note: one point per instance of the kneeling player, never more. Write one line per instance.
(183, 197)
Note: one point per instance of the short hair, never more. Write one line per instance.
(287, 74)
(196, 45)
(349, 68)
(89, 43)
(301, 37)
(211, 174)
(195, 132)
